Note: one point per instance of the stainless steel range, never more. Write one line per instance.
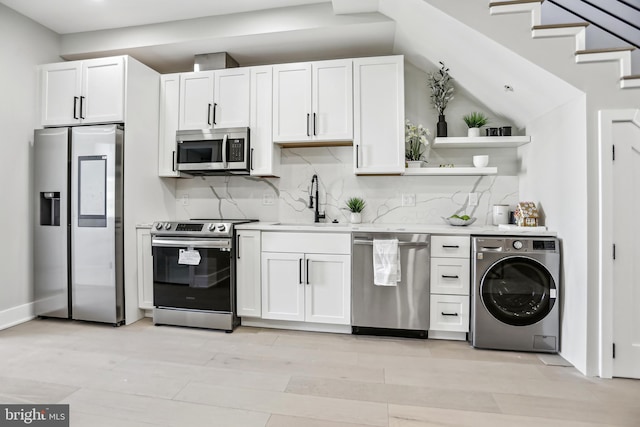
(194, 273)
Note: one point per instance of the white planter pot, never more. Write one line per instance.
(414, 163)
(474, 132)
(355, 218)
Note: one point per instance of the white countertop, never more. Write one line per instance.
(394, 228)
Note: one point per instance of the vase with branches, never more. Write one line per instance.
(441, 84)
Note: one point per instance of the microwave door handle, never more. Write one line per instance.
(224, 150)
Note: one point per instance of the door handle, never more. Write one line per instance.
(450, 314)
(357, 155)
(308, 125)
(224, 150)
(173, 161)
(81, 102)
(314, 124)
(238, 246)
(214, 113)
(209, 114)
(251, 160)
(300, 271)
(75, 107)
(307, 272)
(444, 276)
(451, 246)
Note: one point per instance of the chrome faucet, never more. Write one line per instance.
(317, 215)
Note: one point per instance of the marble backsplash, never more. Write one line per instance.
(286, 199)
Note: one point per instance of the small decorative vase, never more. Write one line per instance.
(474, 132)
(355, 218)
(441, 126)
(414, 163)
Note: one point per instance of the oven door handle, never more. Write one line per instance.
(191, 243)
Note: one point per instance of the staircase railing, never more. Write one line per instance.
(624, 27)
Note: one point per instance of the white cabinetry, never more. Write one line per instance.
(82, 92)
(378, 132)
(169, 117)
(214, 99)
(145, 267)
(306, 277)
(450, 287)
(378, 104)
(313, 102)
(265, 155)
(248, 293)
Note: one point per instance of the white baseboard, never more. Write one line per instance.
(16, 315)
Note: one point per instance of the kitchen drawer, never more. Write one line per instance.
(449, 313)
(317, 243)
(450, 246)
(450, 276)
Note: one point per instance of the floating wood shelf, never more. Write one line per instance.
(481, 142)
(469, 171)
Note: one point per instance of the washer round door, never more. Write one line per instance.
(518, 291)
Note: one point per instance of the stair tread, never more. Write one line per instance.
(613, 49)
(512, 2)
(551, 26)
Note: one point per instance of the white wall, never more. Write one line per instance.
(554, 174)
(23, 45)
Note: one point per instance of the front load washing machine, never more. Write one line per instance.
(515, 297)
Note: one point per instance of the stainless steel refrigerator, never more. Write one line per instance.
(78, 236)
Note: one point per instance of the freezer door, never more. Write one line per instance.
(50, 248)
(96, 224)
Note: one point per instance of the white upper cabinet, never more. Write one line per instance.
(82, 92)
(169, 118)
(214, 99)
(265, 155)
(313, 102)
(196, 100)
(378, 118)
(231, 98)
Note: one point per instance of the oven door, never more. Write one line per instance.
(193, 273)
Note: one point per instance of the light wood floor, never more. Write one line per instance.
(143, 375)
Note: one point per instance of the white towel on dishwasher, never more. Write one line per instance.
(386, 262)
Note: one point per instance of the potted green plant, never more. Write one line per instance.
(416, 143)
(474, 122)
(441, 85)
(355, 205)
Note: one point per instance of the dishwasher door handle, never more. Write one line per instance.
(370, 243)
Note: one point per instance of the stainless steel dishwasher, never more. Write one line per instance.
(401, 309)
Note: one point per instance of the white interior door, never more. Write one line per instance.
(626, 269)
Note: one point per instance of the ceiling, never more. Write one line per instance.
(74, 16)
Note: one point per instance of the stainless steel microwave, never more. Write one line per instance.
(213, 151)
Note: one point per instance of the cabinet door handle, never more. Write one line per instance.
(209, 114)
(357, 155)
(81, 102)
(214, 113)
(314, 124)
(300, 271)
(444, 276)
(75, 107)
(308, 125)
(173, 161)
(238, 246)
(451, 246)
(307, 272)
(450, 314)
(251, 159)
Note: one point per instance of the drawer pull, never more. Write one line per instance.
(451, 246)
(449, 277)
(450, 314)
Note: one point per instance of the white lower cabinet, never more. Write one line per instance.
(248, 292)
(145, 267)
(308, 285)
(450, 287)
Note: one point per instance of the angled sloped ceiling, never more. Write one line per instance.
(426, 35)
